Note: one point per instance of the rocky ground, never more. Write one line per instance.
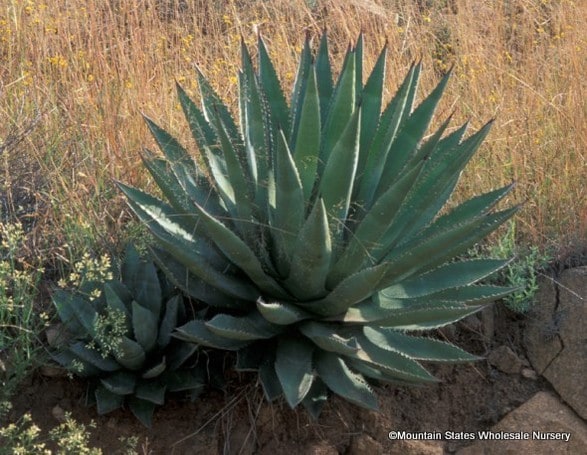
(529, 395)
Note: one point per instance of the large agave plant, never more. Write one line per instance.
(312, 232)
(123, 341)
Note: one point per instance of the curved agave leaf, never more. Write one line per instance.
(130, 354)
(407, 314)
(243, 328)
(155, 370)
(106, 400)
(418, 348)
(342, 381)
(93, 357)
(293, 366)
(152, 391)
(307, 139)
(120, 383)
(316, 398)
(326, 337)
(393, 363)
(281, 313)
(142, 410)
(312, 256)
(196, 332)
(391, 119)
(145, 326)
(287, 216)
(270, 82)
(453, 275)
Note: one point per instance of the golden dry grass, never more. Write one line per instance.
(91, 67)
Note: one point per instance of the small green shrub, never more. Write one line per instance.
(521, 272)
(20, 319)
(312, 233)
(25, 437)
(119, 334)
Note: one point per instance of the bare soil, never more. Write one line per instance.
(237, 420)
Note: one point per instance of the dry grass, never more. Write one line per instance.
(91, 67)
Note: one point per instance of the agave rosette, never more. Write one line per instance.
(311, 230)
(123, 341)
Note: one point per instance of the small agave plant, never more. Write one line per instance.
(123, 341)
(311, 229)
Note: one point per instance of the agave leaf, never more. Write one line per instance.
(307, 139)
(142, 409)
(391, 362)
(370, 101)
(237, 251)
(130, 354)
(390, 121)
(342, 381)
(243, 328)
(272, 88)
(64, 303)
(324, 76)
(281, 313)
(326, 337)
(161, 220)
(201, 130)
(195, 287)
(120, 383)
(115, 303)
(350, 291)
(371, 229)
(288, 215)
(212, 105)
(380, 375)
(424, 254)
(399, 313)
(169, 321)
(256, 126)
(430, 145)
(470, 209)
(84, 312)
(152, 391)
(336, 183)
(451, 275)
(172, 149)
(340, 110)
(145, 326)
(312, 255)
(293, 365)
(182, 380)
(250, 357)
(207, 140)
(299, 92)
(239, 179)
(146, 288)
(93, 357)
(419, 348)
(270, 382)
(433, 189)
(411, 133)
(163, 176)
(179, 354)
(72, 363)
(155, 370)
(476, 295)
(316, 398)
(107, 401)
(358, 53)
(197, 332)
